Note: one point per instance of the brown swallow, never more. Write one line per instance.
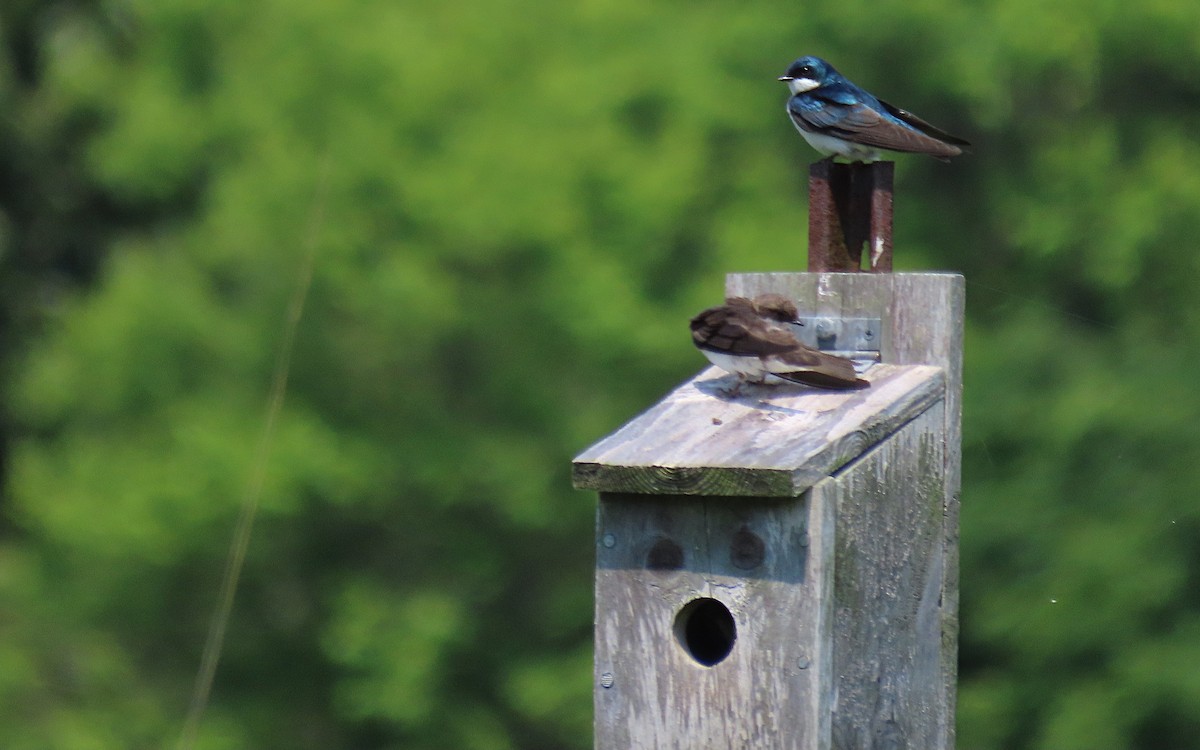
(751, 338)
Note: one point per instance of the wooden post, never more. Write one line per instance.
(779, 569)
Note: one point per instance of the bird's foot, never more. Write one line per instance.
(736, 390)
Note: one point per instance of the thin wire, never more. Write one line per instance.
(245, 523)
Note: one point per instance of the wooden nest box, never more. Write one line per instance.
(778, 569)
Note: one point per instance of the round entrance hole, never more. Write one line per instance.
(706, 630)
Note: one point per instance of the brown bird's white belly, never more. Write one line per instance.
(750, 368)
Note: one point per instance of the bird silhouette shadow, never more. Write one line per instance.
(732, 390)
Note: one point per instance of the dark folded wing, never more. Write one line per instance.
(859, 123)
(820, 115)
(919, 124)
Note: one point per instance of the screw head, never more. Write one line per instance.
(607, 680)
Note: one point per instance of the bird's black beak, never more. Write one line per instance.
(786, 78)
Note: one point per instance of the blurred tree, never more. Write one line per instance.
(526, 201)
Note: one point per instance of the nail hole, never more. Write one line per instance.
(706, 630)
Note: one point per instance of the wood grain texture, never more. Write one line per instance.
(922, 315)
(774, 690)
(770, 441)
(888, 648)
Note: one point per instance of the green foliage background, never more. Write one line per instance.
(525, 201)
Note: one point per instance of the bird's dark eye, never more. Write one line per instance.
(806, 71)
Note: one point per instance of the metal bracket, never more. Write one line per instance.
(840, 335)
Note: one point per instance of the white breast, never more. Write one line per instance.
(747, 367)
(828, 145)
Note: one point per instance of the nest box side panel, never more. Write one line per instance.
(890, 619)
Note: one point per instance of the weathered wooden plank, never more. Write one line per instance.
(937, 338)
(889, 652)
(922, 315)
(769, 561)
(771, 440)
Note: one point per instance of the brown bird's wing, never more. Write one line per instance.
(823, 380)
(728, 330)
(817, 369)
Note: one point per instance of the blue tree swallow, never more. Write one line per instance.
(752, 339)
(838, 118)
